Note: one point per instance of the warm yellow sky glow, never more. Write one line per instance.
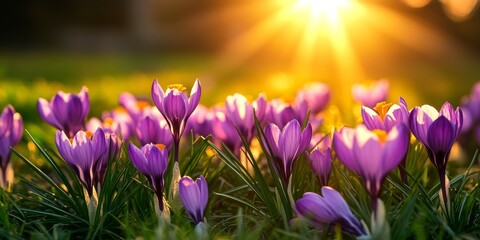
(338, 42)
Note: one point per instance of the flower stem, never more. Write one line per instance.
(443, 184)
(403, 171)
(338, 231)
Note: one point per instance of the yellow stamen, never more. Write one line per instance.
(179, 87)
(142, 104)
(381, 134)
(382, 108)
(108, 122)
(160, 146)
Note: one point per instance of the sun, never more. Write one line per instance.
(328, 7)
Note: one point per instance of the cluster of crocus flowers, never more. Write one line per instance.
(176, 107)
(330, 208)
(286, 145)
(372, 94)
(437, 131)
(66, 111)
(11, 131)
(371, 154)
(152, 161)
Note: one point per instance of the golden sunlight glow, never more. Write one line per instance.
(324, 6)
(312, 40)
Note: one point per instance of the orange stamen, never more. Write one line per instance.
(89, 134)
(381, 134)
(120, 109)
(142, 104)
(160, 146)
(108, 122)
(382, 108)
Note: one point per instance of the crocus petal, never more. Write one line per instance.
(138, 158)
(99, 144)
(75, 117)
(83, 95)
(368, 153)
(17, 129)
(441, 135)
(420, 120)
(43, 107)
(305, 140)
(289, 141)
(194, 99)
(64, 147)
(395, 147)
(260, 106)
(6, 118)
(194, 196)
(175, 104)
(343, 145)
(157, 160)
(371, 119)
(272, 134)
(327, 209)
(448, 111)
(158, 96)
(203, 188)
(83, 150)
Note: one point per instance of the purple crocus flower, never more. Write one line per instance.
(176, 107)
(240, 112)
(287, 145)
(470, 138)
(66, 111)
(316, 95)
(331, 208)
(194, 195)
(321, 141)
(108, 125)
(437, 131)
(113, 142)
(280, 113)
(385, 116)
(321, 163)
(121, 121)
(371, 95)
(151, 161)
(200, 121)
(11, 130)
(371, 154)
(82, 152)
(132, 105)
(224, 131)
(153, 128)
